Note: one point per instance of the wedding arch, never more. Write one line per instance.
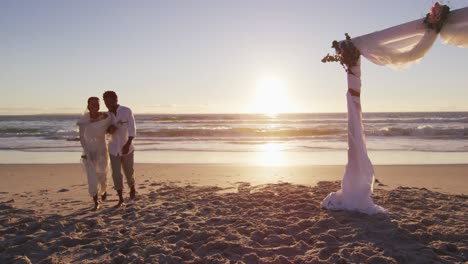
(395, 47)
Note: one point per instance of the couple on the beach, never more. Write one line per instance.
(119, 123)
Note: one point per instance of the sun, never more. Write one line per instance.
(271, 97)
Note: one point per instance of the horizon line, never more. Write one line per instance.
(237, 113)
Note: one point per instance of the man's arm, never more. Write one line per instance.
(131, 132)
(126, 147)
(131, 124)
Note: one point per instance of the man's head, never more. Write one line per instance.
(111, 100)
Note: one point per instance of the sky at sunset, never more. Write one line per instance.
(214, 56)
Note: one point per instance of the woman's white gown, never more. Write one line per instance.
(96, 164)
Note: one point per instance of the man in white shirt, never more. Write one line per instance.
(120, 146)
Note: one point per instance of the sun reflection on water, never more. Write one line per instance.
(271, 154)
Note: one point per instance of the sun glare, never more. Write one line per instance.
(271, 96)
(271, 154)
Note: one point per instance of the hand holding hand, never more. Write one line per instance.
(111, 129)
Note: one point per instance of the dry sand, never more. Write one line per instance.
(233, 214)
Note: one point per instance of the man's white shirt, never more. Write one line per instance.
(125, 124)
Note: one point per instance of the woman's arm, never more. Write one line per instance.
(82, 140)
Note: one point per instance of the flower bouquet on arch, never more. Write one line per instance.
(346, 54)
(436, 18)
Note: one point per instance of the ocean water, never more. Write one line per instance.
(209, 135)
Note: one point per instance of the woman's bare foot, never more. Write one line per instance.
(96, 207)
(96, 203)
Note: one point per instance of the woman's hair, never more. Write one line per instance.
(92, 98)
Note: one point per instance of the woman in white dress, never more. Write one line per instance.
(93, 126)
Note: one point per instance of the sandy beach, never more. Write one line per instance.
(195, 213)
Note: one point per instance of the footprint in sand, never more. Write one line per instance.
(243, 187)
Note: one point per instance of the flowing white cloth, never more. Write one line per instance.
(358, 180)
(407, 43)
(395, 47)
(96, 163)
(455, 30)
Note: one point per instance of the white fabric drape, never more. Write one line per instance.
(358, 180)
(455, 30)
(395, 47)
(407, 43)
(96, 164)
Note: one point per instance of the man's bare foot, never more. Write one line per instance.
(121, 199)
(132, 192)
(104, 196)
(120, 204)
